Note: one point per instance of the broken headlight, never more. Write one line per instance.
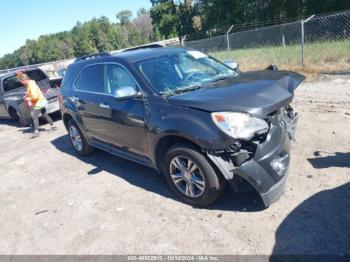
(240, 125)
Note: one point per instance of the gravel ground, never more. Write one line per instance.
(53, 202)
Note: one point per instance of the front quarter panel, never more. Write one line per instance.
(191, 124)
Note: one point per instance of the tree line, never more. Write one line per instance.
(165, 19)
(190, 17)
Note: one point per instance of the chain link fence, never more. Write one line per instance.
(315, 44)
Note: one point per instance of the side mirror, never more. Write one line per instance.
(126, 92)
(272, 68)
(232, 64)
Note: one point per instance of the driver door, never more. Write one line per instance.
(123, 119)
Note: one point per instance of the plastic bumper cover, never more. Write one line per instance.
(267, 171)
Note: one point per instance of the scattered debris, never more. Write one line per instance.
(40, 212)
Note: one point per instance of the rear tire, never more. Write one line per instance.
(14, 115)
(198, 183)
(78, 140)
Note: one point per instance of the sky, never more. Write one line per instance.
(28, 19)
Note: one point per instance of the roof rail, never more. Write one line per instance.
(92, 56)
(143, 47)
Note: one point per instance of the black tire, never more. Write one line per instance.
(85, 148)
(214, 182)
(14, 115)
(24, 122)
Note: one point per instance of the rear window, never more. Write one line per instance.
(36, 75)
(91, 79)
(11, 83)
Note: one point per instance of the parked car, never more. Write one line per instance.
(12, 94)
(192, 118)
(55, 77)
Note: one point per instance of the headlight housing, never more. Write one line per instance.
(240, 125)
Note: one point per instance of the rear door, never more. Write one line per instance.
(86, 97)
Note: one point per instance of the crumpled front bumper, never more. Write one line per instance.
(267, 171)
(262, 172)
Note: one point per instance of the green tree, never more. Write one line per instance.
(83, 43)
(124, 17)
(164, 16)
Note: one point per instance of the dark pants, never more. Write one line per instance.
(35, 115)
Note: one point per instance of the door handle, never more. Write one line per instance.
(75, 99)
(103, 105)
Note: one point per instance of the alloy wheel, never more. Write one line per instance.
(76, 138)
(187, 176)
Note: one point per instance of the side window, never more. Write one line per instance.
(117, 77)
(90, 79)
(11, 83)
(36, 75)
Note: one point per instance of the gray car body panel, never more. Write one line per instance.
(15, 98)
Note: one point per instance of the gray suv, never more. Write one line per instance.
(12, 95)
(189, 116)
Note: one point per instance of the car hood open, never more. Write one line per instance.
(257, 93)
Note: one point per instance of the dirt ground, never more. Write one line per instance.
(53, 202)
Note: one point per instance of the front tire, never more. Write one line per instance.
(191, 177)
(78, 140)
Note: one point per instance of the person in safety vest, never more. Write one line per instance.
(36, 100)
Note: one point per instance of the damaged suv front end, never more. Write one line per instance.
(258, 124)
(261, 155)
(242, 122)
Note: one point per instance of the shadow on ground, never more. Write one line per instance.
(9, 122)
(148, 179)
(318, 226)
(14, 123)
(337, 159)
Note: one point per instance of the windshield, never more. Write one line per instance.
(183, 71)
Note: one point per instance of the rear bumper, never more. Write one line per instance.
(53, 106)
(25, 112)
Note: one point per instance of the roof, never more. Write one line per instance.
(6, 74)
(13, 71)
(133, 56)
(128, 56)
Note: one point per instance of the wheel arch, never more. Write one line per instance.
(167, 141)
(11, 109)
(66, 118)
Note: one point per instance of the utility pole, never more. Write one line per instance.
(303, 22)
(228, 41)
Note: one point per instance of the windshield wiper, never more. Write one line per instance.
(180, 90)
(186, 89)
(220, 79)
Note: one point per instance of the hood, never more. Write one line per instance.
(257, 93)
